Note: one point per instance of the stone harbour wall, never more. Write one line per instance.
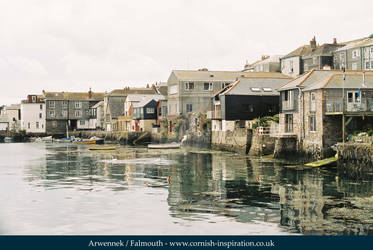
(355, 156)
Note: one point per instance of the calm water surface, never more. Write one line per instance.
(67, 189)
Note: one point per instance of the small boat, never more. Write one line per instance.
(323, 162)
(102, 148)
(93, 140)
(164, 146)
(47, 139)
(8, 139)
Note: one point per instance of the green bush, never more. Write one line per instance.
(370, 132)
(371, 36)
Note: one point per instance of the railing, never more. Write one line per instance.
(335, 105)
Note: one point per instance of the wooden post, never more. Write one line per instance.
(343, 127)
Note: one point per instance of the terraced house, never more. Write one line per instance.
(355, 55)
(322, 107)
(70, 110)
(191, 90)
(308, 57)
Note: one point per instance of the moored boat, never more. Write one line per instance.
(102, 148)
(8, 139)
(164, 146)
(93, 140)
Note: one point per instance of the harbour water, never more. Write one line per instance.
(50, 188)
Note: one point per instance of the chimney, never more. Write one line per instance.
(334, 41)
(313, 43)
(264, 57)
(90, 93)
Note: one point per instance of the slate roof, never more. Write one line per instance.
(13, 106)
(210, 76)
(301, 51)
(83, 96)
(307, 79)
(354, 44)
(323, 50)
(353, 80)
(146, 99)
(256, 86)
(126, 91)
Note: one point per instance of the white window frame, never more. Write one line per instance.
(150, 110)
(52, 113)
(210, 86)
(64, 113)
(312, 122)
(78, 113)
(312, 101)
(354, 66)
(188, 85)
(52, 104)
(82, 122)
(355, 53)
(78, 105)
(189, 107)
(65, 103)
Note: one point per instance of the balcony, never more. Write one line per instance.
(361, 105)
(287, 105)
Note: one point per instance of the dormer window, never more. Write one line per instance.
(255, 89)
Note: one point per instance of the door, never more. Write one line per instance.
(353, 101)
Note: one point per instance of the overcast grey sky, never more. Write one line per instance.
(71, 45)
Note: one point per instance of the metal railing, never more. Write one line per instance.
(335, 104)
(287, 105)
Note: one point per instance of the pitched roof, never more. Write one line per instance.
(323, 50)
(209, 76)
(354, 44)
(13, 106)
(307, 79)
(256, 86)
(100, 103)
(301, 51)
(352, 80)
(73, 96)
(146, 99)
(127, 91)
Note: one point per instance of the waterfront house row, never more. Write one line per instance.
(249, 97)
(322, 107)
(10, 118)
(71, 111)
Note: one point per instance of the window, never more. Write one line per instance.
(288, 123)
(224, 84)
(353, 96)
(41, 106)
(28, 125)
(313, 101)
(150, 110)
(64, 113)
(305, 67)
(82, 122)
(291, 66)
(65, 104)
(141, 111)
(371, 51)
(51, 104)
(267, 89)
(367, 65)
(189, 85)
(354, 66)
(37, 125)
(312, 120)
(355, 53)
(189, 108)
(54, 124)
(40, 115)
(255, 89)
(173, 89)
(107, 118)
(207, 86)
(33, 98)
(78, 105)
(51, 113)
(78, 113)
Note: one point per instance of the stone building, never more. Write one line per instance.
(321, 107)
(191, 90)
(355, 55)
(13, 115)
(69, 110)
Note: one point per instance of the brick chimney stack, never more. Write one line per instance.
(264, 57)
(90, 93)
(334, 41)
(313, 43)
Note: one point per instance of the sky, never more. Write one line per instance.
(72, 45)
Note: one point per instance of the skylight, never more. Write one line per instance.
(255, 89)
(267, 89)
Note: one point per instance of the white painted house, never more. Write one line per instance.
(33, 114)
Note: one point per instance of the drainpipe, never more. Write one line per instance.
(302, 127)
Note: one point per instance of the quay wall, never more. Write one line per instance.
(355, 156)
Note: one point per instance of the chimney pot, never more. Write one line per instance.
(334, 40)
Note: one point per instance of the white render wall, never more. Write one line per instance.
(30, 114)
(291, 66)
